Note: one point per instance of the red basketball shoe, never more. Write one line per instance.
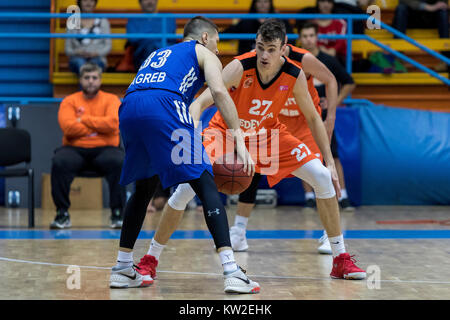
(147, 266)
(344, 268)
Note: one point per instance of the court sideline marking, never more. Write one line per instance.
(217, 274)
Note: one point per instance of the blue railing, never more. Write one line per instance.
(166, 36)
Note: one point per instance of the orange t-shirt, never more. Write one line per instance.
(99, 125)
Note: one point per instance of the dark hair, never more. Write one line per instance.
(253, 7)
(79, 4)
(271, 30)
(90, 67)
(309, 25)
(197, 25)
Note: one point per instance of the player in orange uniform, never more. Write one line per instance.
(297, 125)
(260, 83)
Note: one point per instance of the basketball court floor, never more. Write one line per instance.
(406, 248)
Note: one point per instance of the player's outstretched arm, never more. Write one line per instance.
(318, 70)
(213, 74)
(316, 125)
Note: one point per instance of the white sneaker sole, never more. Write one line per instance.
(122, 282)
(353, 276)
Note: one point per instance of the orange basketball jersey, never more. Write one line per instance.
(275, 151)
(259, 104)
(290, 114)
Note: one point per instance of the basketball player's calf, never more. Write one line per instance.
(216, 219)
(319, 177)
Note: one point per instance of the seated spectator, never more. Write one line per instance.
(83, 50)
(335, 48)
(142, 48)
(89, 121)
(252, 25)
(353, 7)
(423, 14)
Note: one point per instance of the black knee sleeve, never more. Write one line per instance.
(135, 211)
(213, 209)
(249, 195)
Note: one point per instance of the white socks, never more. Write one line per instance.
(309, 195)
(337, 245)
(228, 262)
(241, 222)
(124, 259)
(155, 249)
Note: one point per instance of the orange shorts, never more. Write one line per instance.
(276, 152)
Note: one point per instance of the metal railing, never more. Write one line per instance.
(349, 36)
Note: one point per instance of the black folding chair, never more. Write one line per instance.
(15, 147)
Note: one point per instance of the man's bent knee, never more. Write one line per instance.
(180, 198)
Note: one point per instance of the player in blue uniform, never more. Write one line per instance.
(154, 117)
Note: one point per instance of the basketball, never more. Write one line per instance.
(229, 175)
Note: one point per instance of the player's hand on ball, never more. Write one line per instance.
(244, 155)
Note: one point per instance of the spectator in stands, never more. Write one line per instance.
(90, 123)
(252, 25)
(82, 50)
(353, 7)
(142, 48)
(335, 48)
(309, 41)
(423, 14)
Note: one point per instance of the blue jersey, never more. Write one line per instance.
(173, 68)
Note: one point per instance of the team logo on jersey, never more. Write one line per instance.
(284, 88)
(248, 82)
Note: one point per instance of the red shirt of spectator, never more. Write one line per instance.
(338, 27)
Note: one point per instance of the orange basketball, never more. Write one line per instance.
(229, 175)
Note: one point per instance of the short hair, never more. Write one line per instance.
(90, 67)
(272, 29)
(309, 25)
(197, 25)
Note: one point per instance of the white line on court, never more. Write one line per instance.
(218, 274)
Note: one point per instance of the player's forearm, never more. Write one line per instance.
(320, 136)
(345, 92)
(332, 100)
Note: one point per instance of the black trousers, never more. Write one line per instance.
(69, 161)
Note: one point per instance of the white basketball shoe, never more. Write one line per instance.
(128, 277)
(238, 282)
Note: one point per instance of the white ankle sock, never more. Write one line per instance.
(344, 194)
(309, 195)
(124, 259)
(155, 249)
(240, 221)
(227, 259)
(337, 245)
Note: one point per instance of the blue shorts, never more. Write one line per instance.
(159, 138)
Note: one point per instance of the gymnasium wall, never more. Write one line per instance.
(391, 156)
